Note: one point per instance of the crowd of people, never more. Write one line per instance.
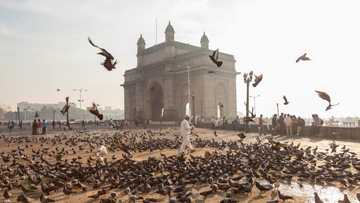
(39, 127)
(286, 124)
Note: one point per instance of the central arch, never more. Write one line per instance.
(156, 101)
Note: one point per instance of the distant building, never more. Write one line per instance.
(158, 87)
(38, 106)
(51, 111)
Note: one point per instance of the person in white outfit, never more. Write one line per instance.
(288, 124)
(185, 132)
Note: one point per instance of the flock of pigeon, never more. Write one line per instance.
(323, 95)
(214, 57)
(41, 167)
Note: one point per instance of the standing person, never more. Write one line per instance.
(20, 124)
(185, 131)
(281, 125)
(44, 127)
(39, 126)
(53, 124)
(261, 123)
(274, 124)
(34, 127)
(59, 123)
(10, 125)
(83, 124)
(294, 124)
(288, 125)
(300, 126)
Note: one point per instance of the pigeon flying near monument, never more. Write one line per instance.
(258, 79)
(58, 90)
(286, 102)
(94, 110)
(303, 58)
(65, 109)
(108, 63)
(253, 115)
(325, 96)
(215, 58)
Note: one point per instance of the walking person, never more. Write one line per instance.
(185, 132)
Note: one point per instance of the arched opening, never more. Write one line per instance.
(156, 102)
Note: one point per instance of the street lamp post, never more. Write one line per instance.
(248, 78)
(80, 100)
(254, 97)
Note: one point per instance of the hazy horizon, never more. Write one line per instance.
(44, 47)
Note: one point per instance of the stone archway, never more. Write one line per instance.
(156, 101)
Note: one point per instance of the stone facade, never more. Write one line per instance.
(158, 87)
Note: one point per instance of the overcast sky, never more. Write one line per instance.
(43, 46)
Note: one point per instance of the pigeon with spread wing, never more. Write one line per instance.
(94, 110)
(215, 58)
(286, 102)
(65, 109)
(108, 63)
(258, 79)
(253, 115)
(303, 58)
(325, 96)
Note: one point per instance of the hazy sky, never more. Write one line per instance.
(43, 46)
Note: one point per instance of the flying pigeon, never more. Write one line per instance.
(286, 102)
(303, 58)
(325, 96)
(252, 113)
(258, 79)
(215, 58)
(108, 57)
(58, 90)
(94, 110)
(245, 77)
(65, 109)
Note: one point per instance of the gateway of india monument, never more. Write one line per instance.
(158, 88)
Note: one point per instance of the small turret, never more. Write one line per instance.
(169, 33)
(140, 45)
(204, 41)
